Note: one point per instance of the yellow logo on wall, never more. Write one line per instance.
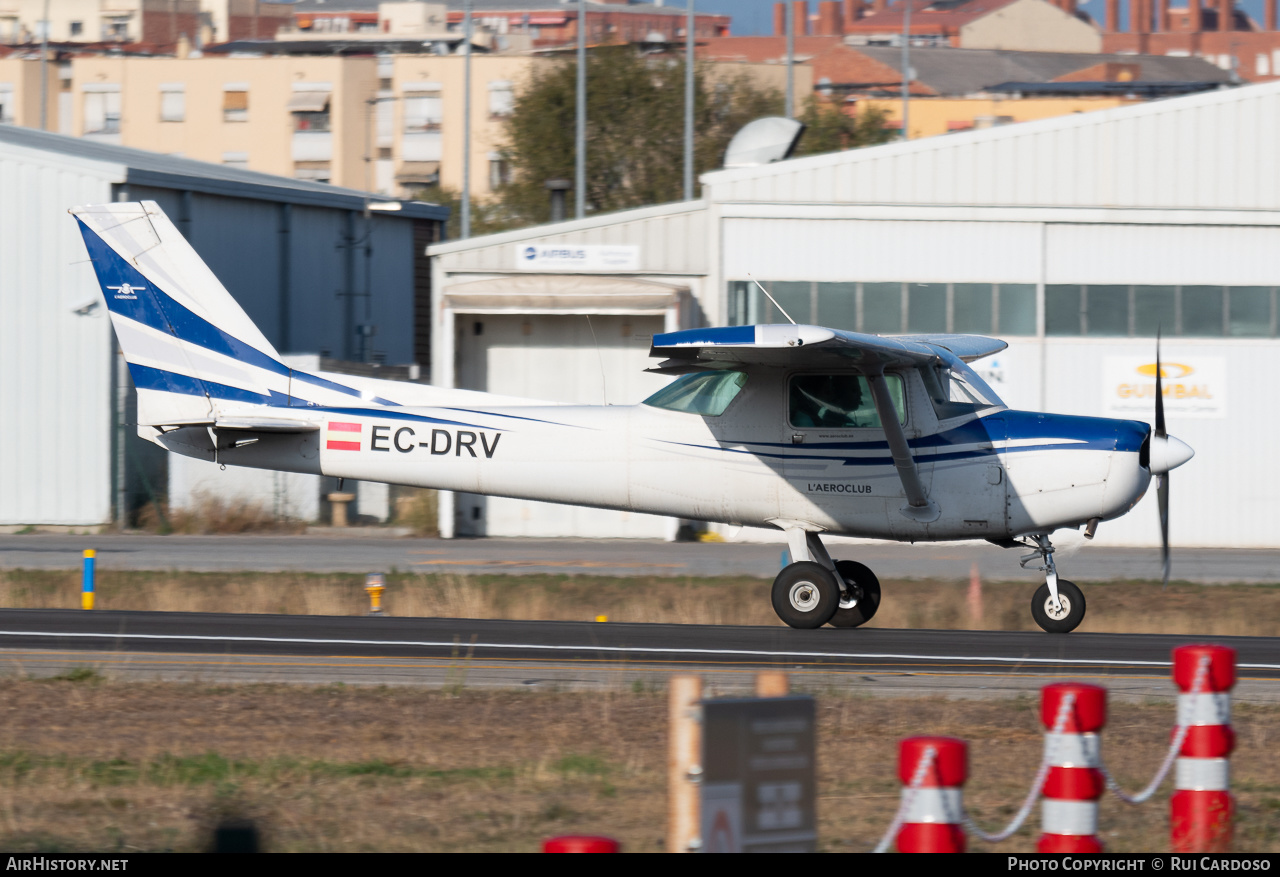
(1172, 370)
(1129, 384)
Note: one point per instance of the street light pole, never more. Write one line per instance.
(466, 125)
(791, 63)
(580, 121)
(688, 104)
(906, 67)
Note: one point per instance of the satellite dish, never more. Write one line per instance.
(763, 141)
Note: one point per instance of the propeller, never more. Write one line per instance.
(1167, 453)
(1162, 489)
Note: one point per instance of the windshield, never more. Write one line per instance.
(955, 390)
(705, 393)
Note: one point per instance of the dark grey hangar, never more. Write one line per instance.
(441, 441)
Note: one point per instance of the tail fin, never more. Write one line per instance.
(188, 344)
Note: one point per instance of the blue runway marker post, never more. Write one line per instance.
(86, 594)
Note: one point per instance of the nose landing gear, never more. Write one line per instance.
(1058, 605)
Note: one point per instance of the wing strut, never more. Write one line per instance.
(919, 507)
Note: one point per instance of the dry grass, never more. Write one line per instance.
(1131, 607)
(210, 514)
(91, 765)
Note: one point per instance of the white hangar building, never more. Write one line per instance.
(1073, 238)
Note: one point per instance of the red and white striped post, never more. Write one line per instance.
(1201, 810)
(571, 843)
(932, 771)
(1073, 713)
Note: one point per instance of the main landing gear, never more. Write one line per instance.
(1058, 605)
(815, 590)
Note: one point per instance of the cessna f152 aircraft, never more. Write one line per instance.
(808, 430)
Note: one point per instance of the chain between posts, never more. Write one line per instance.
(1059, 724)
(1179, 737)
(917, 779)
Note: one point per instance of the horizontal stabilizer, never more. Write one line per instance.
(266, 424)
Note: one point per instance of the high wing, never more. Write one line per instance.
(816, 346)
(811, 346)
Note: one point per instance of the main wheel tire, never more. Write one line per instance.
(849, 614)
(1072, 599)
(805, 595)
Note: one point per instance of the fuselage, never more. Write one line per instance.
(993, 474)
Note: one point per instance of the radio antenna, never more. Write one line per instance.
(771, 298)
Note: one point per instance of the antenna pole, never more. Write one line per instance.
(772, 299)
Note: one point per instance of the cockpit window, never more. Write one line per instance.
(707, 393)
(839, 401)
(955, 390)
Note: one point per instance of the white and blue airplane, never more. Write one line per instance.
(801, 428)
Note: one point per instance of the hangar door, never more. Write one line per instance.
(548, 348)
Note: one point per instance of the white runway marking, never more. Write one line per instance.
(619, 649)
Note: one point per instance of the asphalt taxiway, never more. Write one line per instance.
(485, 653)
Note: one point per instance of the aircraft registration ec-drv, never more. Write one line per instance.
(801, 428)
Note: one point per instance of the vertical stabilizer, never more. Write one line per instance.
(190, 347)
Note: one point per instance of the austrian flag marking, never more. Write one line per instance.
(342, 436)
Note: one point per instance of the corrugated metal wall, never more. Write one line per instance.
(55, 364)
(1206, 150)
(243, 243)
(672, 240)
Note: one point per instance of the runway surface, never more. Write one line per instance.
(320, 649)
(611, 557)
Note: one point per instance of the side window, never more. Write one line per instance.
(707, 393)
(839, 401)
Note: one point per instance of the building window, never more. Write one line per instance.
(235, 103)
(173, 103)
(501, 99)
(311, 121)
(499, 171)
(895, 307)
(77, 28)
(423, 111)
(1142, 311)
(6, 103)
(115, 29)
(102, 112)
(309, 106)
(236, 159)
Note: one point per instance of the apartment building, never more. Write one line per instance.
(156, 23)
(389, 124)
(308, 117)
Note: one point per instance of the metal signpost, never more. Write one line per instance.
(758, 785)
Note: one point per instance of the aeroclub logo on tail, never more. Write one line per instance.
(126, 291)
(342, 436)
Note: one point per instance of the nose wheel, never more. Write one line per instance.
(1063, 615)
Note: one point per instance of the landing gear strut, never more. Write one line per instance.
(815, 590)
(1058, 605)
